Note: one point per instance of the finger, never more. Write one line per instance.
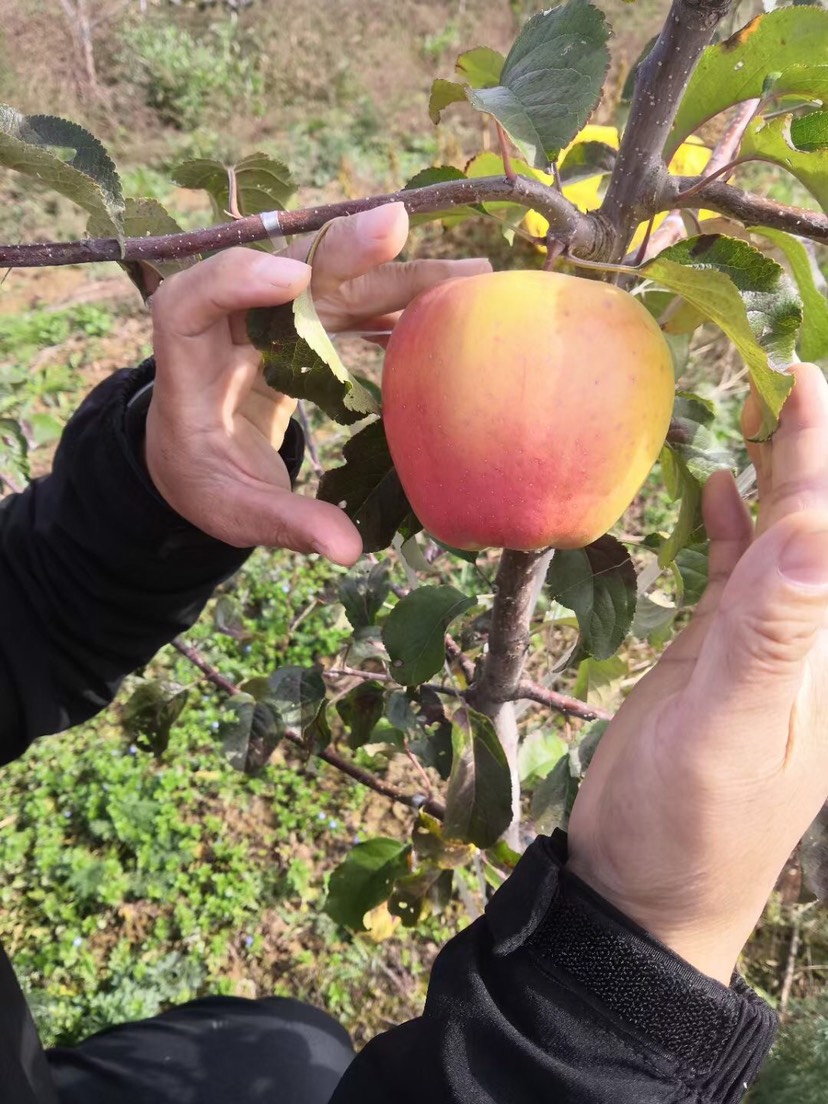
(768, 618)
(797, 469)
(279, 519)
(354, 245)
(391, 287)
(190, 304)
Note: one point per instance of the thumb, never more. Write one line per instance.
(286, 520)
(770, 612)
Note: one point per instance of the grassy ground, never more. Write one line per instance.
(132, 881)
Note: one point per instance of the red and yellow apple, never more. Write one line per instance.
(525, 409)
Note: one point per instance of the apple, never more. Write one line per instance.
(524, 409)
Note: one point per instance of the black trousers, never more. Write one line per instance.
(220, 1050)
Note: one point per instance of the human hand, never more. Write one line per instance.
(716, 764)
(214, 426)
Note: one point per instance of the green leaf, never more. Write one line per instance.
(813, 340)
(262, 183)
(299, 698)
(538, 754)
(774, 141)
(479, 796)
(414, 633)
(28, 144)
(299, 359)
(580, 756)
(653, 620)
(431, 741)
(551, 80)
(431, 845)
(151, 712)
(370, 489)
(788, 42)
(598, 583)
(443, 94)
(586, 160)
(553, 798)
(365, 879)
(599, 680)
(250, 733)
(441, 174)
(363, 592)
(690, 438)
(477, 68)
(480, 67)
(681, 485)
(361, 709)
(692, 566)
(750, 297)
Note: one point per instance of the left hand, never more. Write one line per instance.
(214, 426)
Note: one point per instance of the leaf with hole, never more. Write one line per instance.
(361, 709)
(151, 712)
(365, 879)
(363, 592)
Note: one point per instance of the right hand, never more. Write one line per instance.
(716, 764)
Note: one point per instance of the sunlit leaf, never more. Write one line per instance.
(788, 42)
(36, 145)
(538, 754)
(776, 142)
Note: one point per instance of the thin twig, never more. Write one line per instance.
(458, 656)
(380, 676)
(309, 441)
(331, 757)
(561, 703)
(508, 168)
(752, 210)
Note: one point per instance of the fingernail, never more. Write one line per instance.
(804, 559)
(282, 272)
(375, 223)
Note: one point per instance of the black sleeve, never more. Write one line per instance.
(554, 996)
(96, 571)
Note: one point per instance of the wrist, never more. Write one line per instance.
(712, 949)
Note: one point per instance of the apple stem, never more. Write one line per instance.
(503, 140)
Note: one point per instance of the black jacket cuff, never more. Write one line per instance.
(712, 1038)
